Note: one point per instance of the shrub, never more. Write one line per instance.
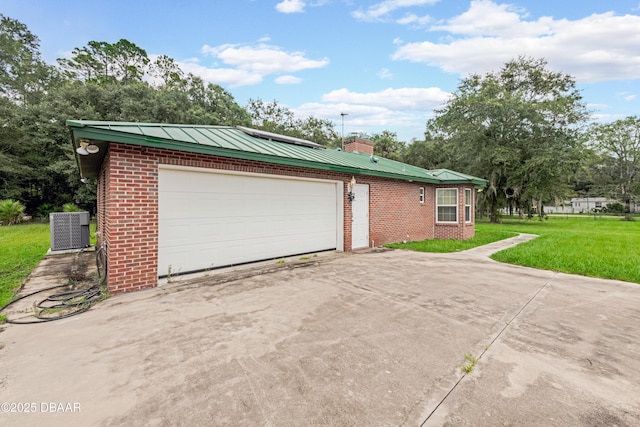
(11, 211)
(70, 207)
(43, 211)
(628, 217)
(616, 208)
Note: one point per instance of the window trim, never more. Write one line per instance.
(422, 195)
(439, 205)
(470, 206)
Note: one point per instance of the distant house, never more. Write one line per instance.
(186, 198)
(581, 205)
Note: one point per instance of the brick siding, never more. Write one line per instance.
(128, 208)
(461, 230)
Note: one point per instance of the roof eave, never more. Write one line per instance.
(87, 132)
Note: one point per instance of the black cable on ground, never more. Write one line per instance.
(67, 303)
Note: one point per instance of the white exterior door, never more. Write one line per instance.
(360, 217)
(210, 219)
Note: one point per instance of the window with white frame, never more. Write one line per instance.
(421, 195)
(447, 204)
(467, 205)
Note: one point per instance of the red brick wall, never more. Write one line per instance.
(129, 221)
(461, 230)
(131, 225)
(396, 213)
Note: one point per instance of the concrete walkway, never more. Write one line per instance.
(362, 339)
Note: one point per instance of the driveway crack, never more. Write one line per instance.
(498, 335)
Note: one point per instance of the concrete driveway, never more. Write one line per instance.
(363, 339)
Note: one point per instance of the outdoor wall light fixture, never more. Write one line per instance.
(350, 187)
(86, 148)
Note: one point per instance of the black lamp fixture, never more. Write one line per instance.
(350, 187)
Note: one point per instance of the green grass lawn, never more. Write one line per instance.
(22, 247)
(482, 237)
(605, 247)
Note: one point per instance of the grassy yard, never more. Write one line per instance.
(482, 237)
(605, 247)
(22, 247)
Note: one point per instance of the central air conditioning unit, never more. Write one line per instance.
(69, 230)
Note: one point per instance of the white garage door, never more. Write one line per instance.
(210, 219)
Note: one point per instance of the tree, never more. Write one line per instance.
(519, 129)
(319, 131)
(429, 154)
(386, 145)
(273, 117)
(23, 74)
(167, 72)
(211, 104)
(618, 144)
(105, 62)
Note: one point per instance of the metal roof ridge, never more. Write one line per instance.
(116, 124)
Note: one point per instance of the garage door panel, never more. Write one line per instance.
(181, 204)
(175, 232)
(212, 219)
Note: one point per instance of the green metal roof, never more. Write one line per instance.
(235, 143)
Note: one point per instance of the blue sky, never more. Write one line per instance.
(387, 64)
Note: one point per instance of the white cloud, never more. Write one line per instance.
(288, 80)
(628, 96)
(385, 74)
(363, 117)
(368, 119)
(599, 47)
(596, 106)
(486, 18)
(379, 11)
(413, 19)
(230, 76)
(402, 99)
(403, 110)
(263, 59)
(290, 6)
(243, 65)
(604, 118)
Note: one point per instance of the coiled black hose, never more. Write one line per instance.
(67, 303)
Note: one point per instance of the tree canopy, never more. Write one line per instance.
(386, 145)
(617, 165)
(519, 128)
